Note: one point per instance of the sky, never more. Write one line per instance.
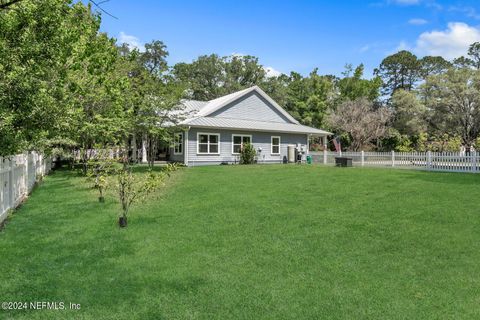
(298, 35)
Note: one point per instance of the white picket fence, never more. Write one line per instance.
(432, 161)
(18, 175)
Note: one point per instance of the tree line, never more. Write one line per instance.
(65, 86)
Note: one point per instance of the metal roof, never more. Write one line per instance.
(196, 113)
(250, 125)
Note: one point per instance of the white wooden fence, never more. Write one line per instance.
(432, 161)
(18, 175)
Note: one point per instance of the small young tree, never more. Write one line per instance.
(247, 154)
(132, 188)
(100, 166)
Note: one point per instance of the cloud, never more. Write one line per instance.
(403, 45)
(238, 54)
(417, 21)
(132, 41)
(271, 72)
(432, 4)
(405, 2)
(450, 43)
(468, 11)
(365, 48)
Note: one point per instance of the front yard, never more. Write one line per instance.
(252, 242)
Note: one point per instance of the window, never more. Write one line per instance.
(178, 143)
(275, 145)
(238, 140)
(208, 143)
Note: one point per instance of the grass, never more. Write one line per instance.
(252, 242)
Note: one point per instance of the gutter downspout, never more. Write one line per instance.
(308, 143)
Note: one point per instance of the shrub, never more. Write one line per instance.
(247, 154)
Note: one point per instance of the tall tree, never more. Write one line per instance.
(474, 53)
(308, 98)
(204, 77)
(352, 86)
(409, 116)
(49, 52)
(431, 65)
(456, 103)
(399, 71)
(155, 58)
(210, 77)
(242, 72)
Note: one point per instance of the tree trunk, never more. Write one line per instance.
(134, 149)
(144, 149)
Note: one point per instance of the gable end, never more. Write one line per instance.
(252, 106)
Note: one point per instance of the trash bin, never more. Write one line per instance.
(343, 162)
(309, 159)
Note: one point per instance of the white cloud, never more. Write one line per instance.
(405, 2)
(271, 72)
(365, 48)
(403, 45)
(450, 43)
(468, 11)
(238, 54)
(417, 21)
(432, 4)
(132, 41)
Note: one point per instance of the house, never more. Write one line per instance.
(214, 131)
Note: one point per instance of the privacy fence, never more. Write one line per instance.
(432, 161)
(18, 175)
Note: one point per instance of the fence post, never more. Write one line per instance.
(11, 197)
(363, 158)
(429, 160)
(25, 173)
(393, 158)
(474, 161)
(324, 156)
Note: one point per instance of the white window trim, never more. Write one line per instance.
(208, 144)
(279, 145)
(241, 135)
(175, 143)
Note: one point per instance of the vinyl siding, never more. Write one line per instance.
(178, 157)
(251, 107)
(259, 140)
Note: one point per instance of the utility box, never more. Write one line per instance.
(291, 153)
(343, 162)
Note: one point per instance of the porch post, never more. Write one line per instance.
(185, 147)
(324, 140)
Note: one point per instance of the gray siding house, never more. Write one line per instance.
(213, 132)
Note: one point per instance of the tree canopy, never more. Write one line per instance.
(65, 84)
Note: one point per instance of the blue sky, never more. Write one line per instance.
(299, 35)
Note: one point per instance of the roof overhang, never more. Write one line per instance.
(252, 126)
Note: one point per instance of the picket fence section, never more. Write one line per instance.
(432, 161)
(18, 175)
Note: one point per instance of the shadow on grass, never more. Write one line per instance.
(453, 178)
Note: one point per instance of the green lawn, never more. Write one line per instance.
(252, 242)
